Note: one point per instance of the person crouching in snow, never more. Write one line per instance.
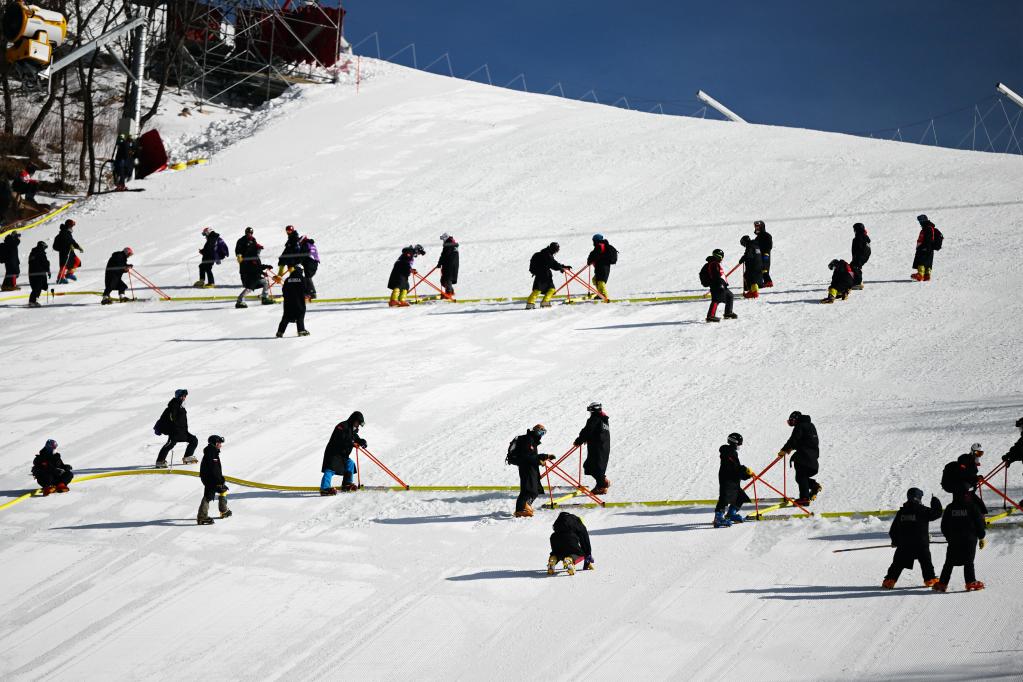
(731, 473)
(212, 476)
(522, 452)
(841, 280)
(400, 272)
(910, 534)
(336, 456)
(50, 471)
(962, 524)
(570, 544)
(293, 291)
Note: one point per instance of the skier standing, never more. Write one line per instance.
(448, 264)
(12, 262)
(570, 544)
(212, 476)
(963, 526)
(765, 242)
(541, 264)
(65, 245)
(841, 280)
(911, 538)
(38, 273)
(293, 292)
(255, 275)
(522, 452)
(173, 423)
(602, 257)
(213, 251)
(311, 263)
(806, 445)
(336, 456)
(50, 471)
(117, 265)
(929, 240)
(731, 473)
(398, 282)
(596, 435)
(860, 254)
(712, 275)
(753, 272)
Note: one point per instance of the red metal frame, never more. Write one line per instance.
(145, 280)
(423, 279)
(380, 464)
(575, 276)
(1002, 495)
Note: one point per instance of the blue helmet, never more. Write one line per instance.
(181, 393)
(598, 237)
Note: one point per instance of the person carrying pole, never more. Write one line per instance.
(255, 275)
(337, 454)
(541, 264)
(806, 446)
(522, 453)
(398, 282)
(65, 246)
(712, 275)
(117, 265)
(1015, 453)
(911, 538)
(596, 435)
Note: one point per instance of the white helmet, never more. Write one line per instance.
(444, 237)
(976, 449)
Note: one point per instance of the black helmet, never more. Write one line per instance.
(794, 417)
(922, 219)
(735, 439)
(554, 247)
(744, 240)
(594, 407)
(214, 439)
(914, 495)
(719, 254)
(758, 225)
(859, 227)
(357, 417)
(833, 264)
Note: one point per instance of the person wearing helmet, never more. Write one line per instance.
(963, 526)
(448, 264)
(214, 486)
(213, 250)
(596, 435)
(173, 423)
(911, 538)
(541, 264)
(712, 275)
(402, 269)
(65, 246)
(50, 471)
(255, 275)
(12, 262)
(117, 265)
(124, 161)
(962, 477)
(38, 273)
(731, 474)
(804, 446)
(927, 242)
(522, 452)
(602, 257)
(310, 263)
(860, 254)
(242, 245)
(841, 280)
(291, 255)
(570, 544)
(336, 456)
(293, 291)
(765, 243)
(1015, 453)
(753, 270)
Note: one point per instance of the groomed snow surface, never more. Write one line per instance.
(115, 580)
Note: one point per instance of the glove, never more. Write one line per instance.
(578, 441)
(361, 442)
(276, 279)
(749, 472)
(200, 251)
(239, 257)
(1005, 458)
(414, 271)
(983, 543)
(782, 453)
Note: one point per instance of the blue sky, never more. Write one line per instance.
(842, 66)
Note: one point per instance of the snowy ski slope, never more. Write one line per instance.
(115, 580)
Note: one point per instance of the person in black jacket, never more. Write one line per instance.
(596, 435)
(541, 264)
(117, 265)
(525, 456)
(242, 245)
(38, 273)
(291, 255)
(398, 282)
(570, 544)
(962, 477)
(124, 161)
(963, 526)
(293, 292)
(448, 264)
(310, 263)
(765, 243)
(731, 474)
(602, 257)
(712, 275)
(1015, 453)
(911, 538)
(860, 254)
(806, 445)
(212, 476)
(65, 246)
(336, 456)
(255, 275)
(50, 471)
(173, 423)
(927, 242)
(12, 262)
(841, 280)
(209, 257)
(753, 272)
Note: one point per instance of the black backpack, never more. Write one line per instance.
(937, 238)
(705, 276)
(163, 424)
(536, 267)
(512, 458)
(612, 255)
(951, 478)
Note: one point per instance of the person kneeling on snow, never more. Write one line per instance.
(570, 544)
(731, 473)
(841, 280)
(212, 476)
(50, 471)
(963, 526)
(910, 534)
(336, 456)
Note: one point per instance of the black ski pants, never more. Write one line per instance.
(288, 319)
(206, 271)
(720, 294)
(192, 441)
(923, 555)
(807, 485)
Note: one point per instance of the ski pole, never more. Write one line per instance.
(1005, 505)
(785, 475)
(358, 469)
(729, 273)
(550, 490)
(888, 546)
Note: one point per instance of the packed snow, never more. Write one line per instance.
(116, 581)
